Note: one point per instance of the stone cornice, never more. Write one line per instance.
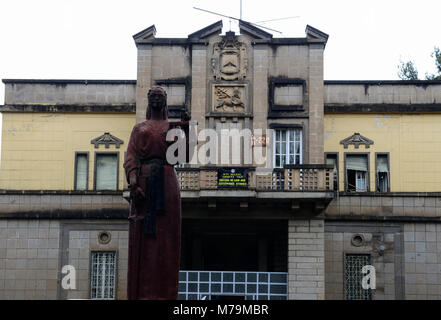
(98, 108)
(67, 81)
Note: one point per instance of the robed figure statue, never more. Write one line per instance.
(155, 210)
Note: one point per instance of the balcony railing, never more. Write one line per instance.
(309, 177)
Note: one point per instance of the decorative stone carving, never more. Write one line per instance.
(106, 139)
(229, 98)
(229, 60)
(356, 139)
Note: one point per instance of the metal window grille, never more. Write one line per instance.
(353, 277)
(288, 147)
(103, 275)
(207, 285)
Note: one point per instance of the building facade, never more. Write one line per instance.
(342, 175)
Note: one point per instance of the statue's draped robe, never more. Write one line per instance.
(153, 268)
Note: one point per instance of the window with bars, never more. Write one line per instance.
(353, 276)
(103, 273)
(287, 147)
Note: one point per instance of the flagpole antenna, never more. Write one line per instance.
(223, 15)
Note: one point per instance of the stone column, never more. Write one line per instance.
(306, 259)
(199, 84)
(260, 88)
(143, 80)
(316, 104)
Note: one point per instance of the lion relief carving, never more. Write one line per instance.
(228, 99)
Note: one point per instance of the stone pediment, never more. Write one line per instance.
(107, 139)
(315, 35)
(356, 139)
(253, 31)
(146, 34)
(215, 28)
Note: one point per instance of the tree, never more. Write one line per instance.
(408, 71)
(437, 55)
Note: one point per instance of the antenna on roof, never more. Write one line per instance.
(223, 15)
(278, 19)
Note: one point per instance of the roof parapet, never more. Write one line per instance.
(146, 34)
(257, 33)
(215, 28)
(315, 35)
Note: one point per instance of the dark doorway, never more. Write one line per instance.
(234, 245)
(230, 252)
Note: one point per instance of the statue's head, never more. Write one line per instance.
(157, 99)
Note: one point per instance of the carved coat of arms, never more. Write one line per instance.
(229, 60)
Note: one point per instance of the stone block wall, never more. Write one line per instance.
(381, 92)
(316, 113)
(33, 252)
(29, 251)
(409, 269)
(402, 206)
(388, 265)
(294, 60)
(78, 239)
(422, 260)
(81, 244)
(306, 261)
(70, 92)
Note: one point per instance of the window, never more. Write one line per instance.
(357, 172)
(287, 147)
(103, 271)
(178, 95)
(332, 158)
(382, 172)
(353, 265)
(106, 171)
(285, 96)
(81, 170)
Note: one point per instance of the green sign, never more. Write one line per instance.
(232, 178)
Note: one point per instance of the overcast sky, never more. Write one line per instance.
(92, 39)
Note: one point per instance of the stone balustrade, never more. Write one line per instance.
(309, 177)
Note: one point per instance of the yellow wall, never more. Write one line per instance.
(413, 140)
(38, 149)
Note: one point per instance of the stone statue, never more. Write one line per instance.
(155, 210)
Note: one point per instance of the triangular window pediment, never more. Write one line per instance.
(356, 139)
(107, 139)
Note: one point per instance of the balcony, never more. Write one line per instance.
(292, 178)
(302, 189)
